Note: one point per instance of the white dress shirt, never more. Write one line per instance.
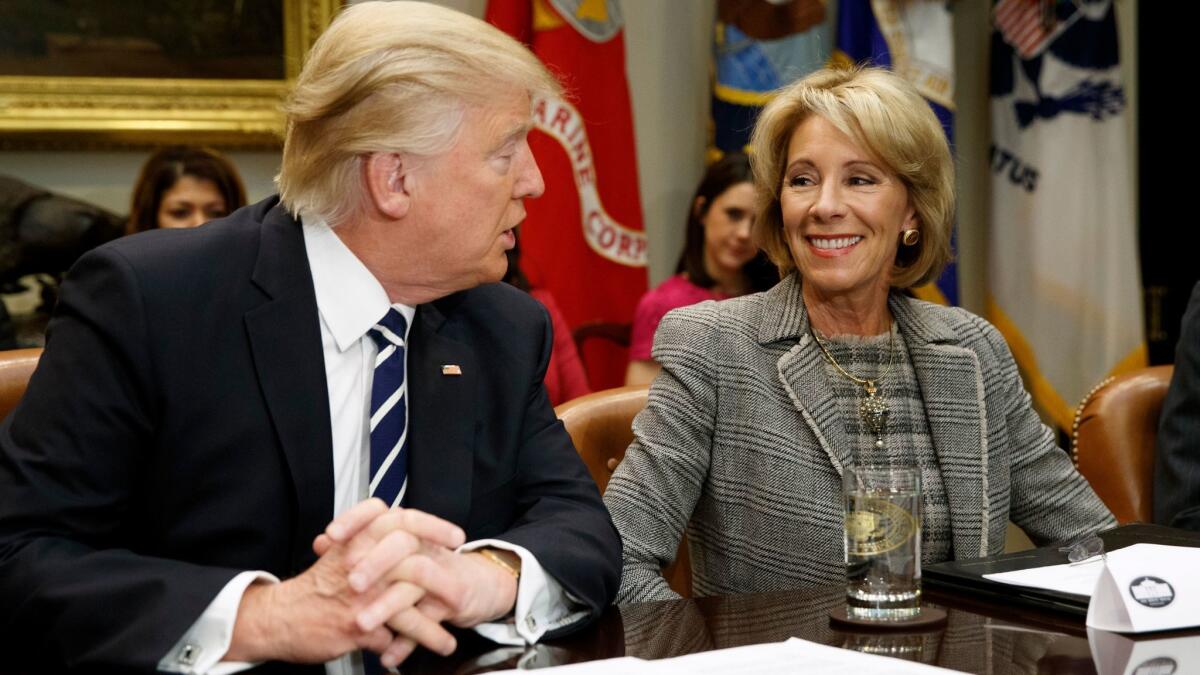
(350, 301)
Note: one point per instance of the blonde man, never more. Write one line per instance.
(185, 486)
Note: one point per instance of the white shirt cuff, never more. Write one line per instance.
(204, 644)
(542, 603)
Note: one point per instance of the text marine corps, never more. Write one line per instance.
(562, 122)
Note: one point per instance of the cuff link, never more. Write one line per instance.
(189, 654)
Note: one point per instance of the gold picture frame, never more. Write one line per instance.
(130, 112)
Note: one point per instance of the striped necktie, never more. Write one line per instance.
(389, 411)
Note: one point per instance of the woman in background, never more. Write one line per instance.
(565, 378)
(719, 259)
(184, 186)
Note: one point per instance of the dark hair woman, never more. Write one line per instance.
(719, 258)
(184, 186)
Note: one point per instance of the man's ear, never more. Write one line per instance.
(386, 177)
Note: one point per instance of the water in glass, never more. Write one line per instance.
(882, 542)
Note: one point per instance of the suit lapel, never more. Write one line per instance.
(802, 372)
(285, 340)
(952, 388)
(442, 416)
(803, 375)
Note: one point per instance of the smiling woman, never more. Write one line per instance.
(765, 400)
(843, 215)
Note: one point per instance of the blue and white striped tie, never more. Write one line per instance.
(389, 411)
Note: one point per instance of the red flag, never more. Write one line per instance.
(584, 239)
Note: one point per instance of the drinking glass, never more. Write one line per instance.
(882, 542)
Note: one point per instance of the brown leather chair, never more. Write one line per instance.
(16, 366)
(601, 426)
(616, 333)
(1113, 437)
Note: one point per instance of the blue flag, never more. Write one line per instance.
(759, 46)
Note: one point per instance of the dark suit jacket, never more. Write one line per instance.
(1177, 458)
(177, 431)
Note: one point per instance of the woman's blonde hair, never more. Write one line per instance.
(390, 77)
(888, 118)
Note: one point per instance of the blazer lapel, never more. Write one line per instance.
(442, 416)
(802, 372)
(285, 340)
(952, 388)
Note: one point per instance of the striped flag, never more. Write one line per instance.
(1026, 25)
(1063, 279)
(914, 38)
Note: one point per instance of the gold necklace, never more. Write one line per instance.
(873, 409)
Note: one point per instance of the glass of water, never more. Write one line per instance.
(882, 542)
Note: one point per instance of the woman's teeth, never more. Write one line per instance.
(840, 242)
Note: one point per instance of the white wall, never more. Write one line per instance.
(106, 178)
(667, 47)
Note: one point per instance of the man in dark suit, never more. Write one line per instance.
(184, 486)
(1177, 457)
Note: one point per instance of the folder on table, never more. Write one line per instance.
(966, 576)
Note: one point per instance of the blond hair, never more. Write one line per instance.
(888, 118)
(390, 77)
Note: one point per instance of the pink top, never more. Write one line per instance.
(654, 305)
(565, 378)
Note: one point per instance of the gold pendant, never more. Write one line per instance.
(873, 410)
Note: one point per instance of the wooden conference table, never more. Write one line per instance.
(980, 637)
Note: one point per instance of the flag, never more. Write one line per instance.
(913, 38)
(759, 46)
(583, 240)
(1063, 281)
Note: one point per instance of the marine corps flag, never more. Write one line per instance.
(583, 240)
(1063, 271)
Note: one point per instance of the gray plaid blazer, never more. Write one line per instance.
(741, 444)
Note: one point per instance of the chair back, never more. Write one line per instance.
(16, 367)
(1113, 439)
(603, 347)
(601, 426)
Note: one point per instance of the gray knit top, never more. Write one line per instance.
(906, 438)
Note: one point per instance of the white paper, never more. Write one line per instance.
(1116, 654)
(1112, 583)
(793, 657)
(1150, 588)
(1079, 578)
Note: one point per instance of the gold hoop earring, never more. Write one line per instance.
(910, 237)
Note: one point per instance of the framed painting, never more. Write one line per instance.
(102, 74)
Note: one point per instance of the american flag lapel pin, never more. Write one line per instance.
(451, 369)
